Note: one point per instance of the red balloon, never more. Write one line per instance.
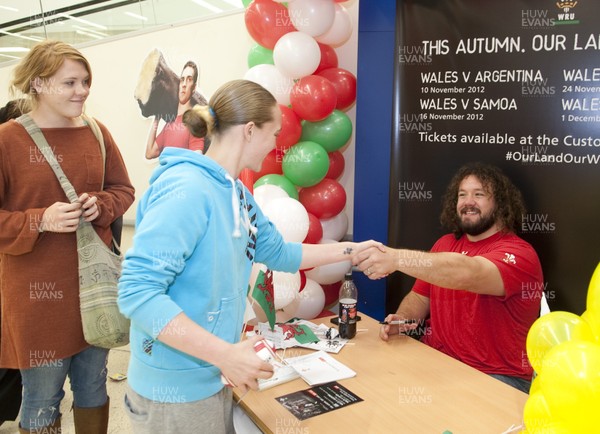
(271, 164)
(267, 21)
(337, 163)
(315, 230)
(291, 128)
(329, 58)
(247, 177)
(325, 200)
(345, 86)
(313, 98)
(332, 293)
(302, 280)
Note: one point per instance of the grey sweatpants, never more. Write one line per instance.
(212, 415)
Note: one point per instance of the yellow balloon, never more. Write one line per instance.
(536, 414)
(593, 294)
(570, 383)
(592, 317)
(552, 329)
(535, 385)
(537, 418)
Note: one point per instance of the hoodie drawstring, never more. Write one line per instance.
(236, 210)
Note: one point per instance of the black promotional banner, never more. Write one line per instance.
(512, 83)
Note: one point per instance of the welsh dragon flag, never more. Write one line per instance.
(263, 293)
(303, 334)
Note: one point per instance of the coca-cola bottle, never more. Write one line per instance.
(347, 313)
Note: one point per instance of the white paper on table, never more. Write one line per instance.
(282, 374)
(319, 367)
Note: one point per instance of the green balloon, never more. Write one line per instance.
(305, 164)
(279, 181)
(246, 3)
(259, 55)
(331, 133)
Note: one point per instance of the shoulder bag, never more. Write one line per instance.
(99, 268)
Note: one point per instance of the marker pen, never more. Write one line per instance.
(399, 322)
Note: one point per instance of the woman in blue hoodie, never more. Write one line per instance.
(185, 280)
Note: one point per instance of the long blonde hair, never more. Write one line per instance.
(42, 62)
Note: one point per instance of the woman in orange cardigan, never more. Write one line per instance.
(41, 331)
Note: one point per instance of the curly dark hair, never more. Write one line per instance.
(510, 207)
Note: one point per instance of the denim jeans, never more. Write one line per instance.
(43, 386)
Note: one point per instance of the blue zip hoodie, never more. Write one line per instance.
(197, 235)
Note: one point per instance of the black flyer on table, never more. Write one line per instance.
(317, 400)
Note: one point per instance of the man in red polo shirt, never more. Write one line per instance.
(479, 288)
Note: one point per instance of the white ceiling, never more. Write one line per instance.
(24, 22)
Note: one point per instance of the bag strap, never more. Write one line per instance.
(38, 138)
(41, 142)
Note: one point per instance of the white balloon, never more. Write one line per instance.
(335, 228)
(308, 303)
(313, 17)
(260, 314)
(340, 30)
(282, 316)
(331, 273)
(269, 77)
(285, 288)
(289, 217)
(265, 193)
(296, 55)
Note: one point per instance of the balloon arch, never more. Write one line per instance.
(294, 58)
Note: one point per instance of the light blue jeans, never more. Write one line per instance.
(43, 386)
